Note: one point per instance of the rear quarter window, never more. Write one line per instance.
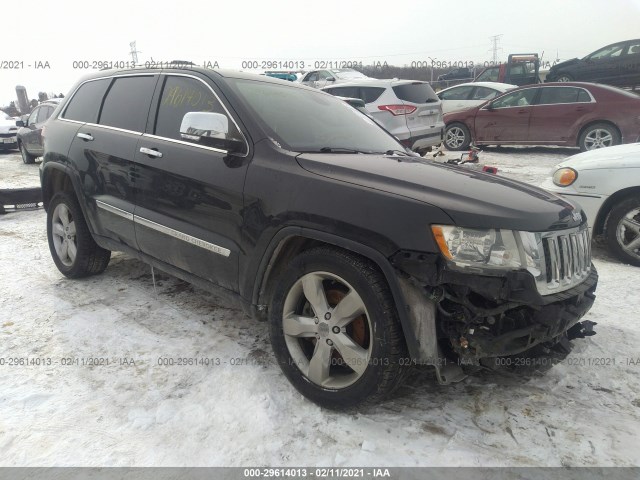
(416, 93)
(85, 103)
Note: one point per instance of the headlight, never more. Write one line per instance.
(468, 247)
(563, 177)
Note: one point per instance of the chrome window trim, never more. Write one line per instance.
(172, 74)
(593, 100)
(115, 210)
(149, 135)
(212, 247)
(182, 142)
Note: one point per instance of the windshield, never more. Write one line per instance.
(4, 116)
(308, 121)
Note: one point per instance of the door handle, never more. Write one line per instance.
(85, 136)
(523, 110)
(151, 152)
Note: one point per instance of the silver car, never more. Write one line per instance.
(410, 110)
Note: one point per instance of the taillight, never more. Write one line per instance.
(42, 131)
(398, 109)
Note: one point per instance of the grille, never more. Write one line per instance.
(567, 260)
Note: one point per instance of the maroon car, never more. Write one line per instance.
(569, 114)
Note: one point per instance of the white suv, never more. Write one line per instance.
(410, 110)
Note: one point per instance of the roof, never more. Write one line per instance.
(374, 82)
(496, 85)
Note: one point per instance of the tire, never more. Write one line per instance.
(598, 135)
(622, 231)
(564, 77)
(457, 137)
(27, 158)
(308, 335)
(63, 217)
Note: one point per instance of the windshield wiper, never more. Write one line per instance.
(401, 152)
(341, 150)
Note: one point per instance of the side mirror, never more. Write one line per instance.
(19, 123)
(330, 79)
(210, 129)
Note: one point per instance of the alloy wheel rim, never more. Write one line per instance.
(455, 137)
(563, 79)
(63, 233)
(327, 330)
(598, 138)
(628, 233)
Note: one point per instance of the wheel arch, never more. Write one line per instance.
(600, 224)
(291, 241)
(594, 122)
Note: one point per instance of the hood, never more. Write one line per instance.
(620, 156)
(470, 198)
(566, 63)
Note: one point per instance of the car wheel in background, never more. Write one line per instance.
(457, 136)
(335, 329)
(623, 231)
(26, 156)
(598, 135)
(72, 247)
(564, 78)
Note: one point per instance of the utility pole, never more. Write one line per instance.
(134, 53)
(494, 47)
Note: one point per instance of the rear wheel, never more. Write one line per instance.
(457, 137)
(72, 247)
(598, 135)
(26, 156)
(564, 78)
(335, 329)
(623, 231)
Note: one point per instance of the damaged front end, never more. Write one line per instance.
(465, 316)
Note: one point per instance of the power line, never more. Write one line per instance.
(134, 53)
(494, 41)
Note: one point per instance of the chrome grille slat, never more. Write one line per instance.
(569, 261)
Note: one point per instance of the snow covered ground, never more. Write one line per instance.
(135, 412)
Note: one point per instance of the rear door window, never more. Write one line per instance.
(127, 103)
(457, 93)
(370, 94)
(489, 75)
(417, 92)
(351, 92)
(85, 103)
(554, 95)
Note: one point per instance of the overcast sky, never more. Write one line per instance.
(399, 32)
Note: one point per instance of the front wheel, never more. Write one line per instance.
(72, 247)
(27, 158)
(599, 135)
(335, 329)
(457, 137)
(623, 231)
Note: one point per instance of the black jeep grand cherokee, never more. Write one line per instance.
(363, 257)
